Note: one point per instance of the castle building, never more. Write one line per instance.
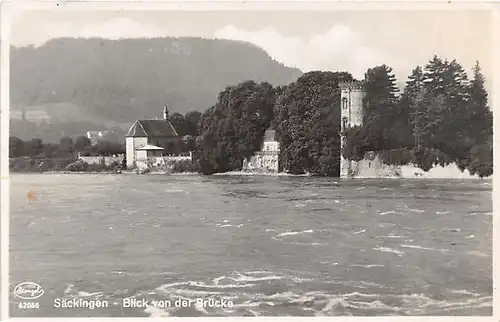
(351, 113)
(265, 160)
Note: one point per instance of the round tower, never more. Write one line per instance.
(351, 100)
(351, 114)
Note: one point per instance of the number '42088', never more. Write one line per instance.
(29, 305)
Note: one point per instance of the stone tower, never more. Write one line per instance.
(351, 114)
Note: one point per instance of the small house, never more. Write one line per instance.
(150, 138)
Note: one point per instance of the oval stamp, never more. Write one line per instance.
(28, 291)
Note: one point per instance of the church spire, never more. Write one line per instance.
(165, 113)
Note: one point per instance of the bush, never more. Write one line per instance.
(77, 166)
(397, 157)
(186, 166)
(27, 164)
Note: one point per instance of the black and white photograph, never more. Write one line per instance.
(251, 162)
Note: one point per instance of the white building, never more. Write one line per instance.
(149, 138)
(95, 136)
(267, 159)
(351, 111)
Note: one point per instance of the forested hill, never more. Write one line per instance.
(101, 81)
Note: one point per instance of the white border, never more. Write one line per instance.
(188, 5)
(4, 162)
(495, 102)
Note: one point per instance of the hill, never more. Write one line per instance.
(112, 82)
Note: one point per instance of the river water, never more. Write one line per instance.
(269, 246)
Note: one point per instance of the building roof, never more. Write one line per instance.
(147, 128)
(269, 135)
(150, 147)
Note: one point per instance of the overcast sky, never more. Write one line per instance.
(352, 40)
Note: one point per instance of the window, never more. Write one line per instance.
(344, 103)
(344, 123)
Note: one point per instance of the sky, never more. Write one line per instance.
(309, 40)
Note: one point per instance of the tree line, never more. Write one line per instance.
(66, 148)
(440, 117)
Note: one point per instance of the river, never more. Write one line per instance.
(254, 245)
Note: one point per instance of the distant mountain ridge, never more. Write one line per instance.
(118, 81)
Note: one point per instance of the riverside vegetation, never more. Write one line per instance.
(441, 117)
(36, 156)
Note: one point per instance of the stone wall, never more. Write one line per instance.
(375, 168)
(102, 159)
(264, 161)
(163, 163)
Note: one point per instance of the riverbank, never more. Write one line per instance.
(249, 174)
(375, 168)
(122, 172)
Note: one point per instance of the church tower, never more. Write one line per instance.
(351, 113)
(165, 113)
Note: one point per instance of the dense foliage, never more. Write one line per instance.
(441, 117)
(233, 129)
(307, 121)
(82, 166)
(35, 148)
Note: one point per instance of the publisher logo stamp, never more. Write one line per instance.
(28, 292)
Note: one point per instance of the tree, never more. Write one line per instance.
(380, 86)
(107, 148)
(433, 76)
(66, 145)
(82, 143)
(446, 82)
(16, 147)
(179, 123)
(192, 122)
(233, 129)
(481, 160)
(189, 142)
(479, 130)
(411, 102)
(51, 150)
(34, 147)
(413, 88)
(480, 125)
(385, 121)
(307, 120)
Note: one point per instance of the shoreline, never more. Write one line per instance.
(245, 174)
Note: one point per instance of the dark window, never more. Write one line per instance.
(344, 123)
(344, 103)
